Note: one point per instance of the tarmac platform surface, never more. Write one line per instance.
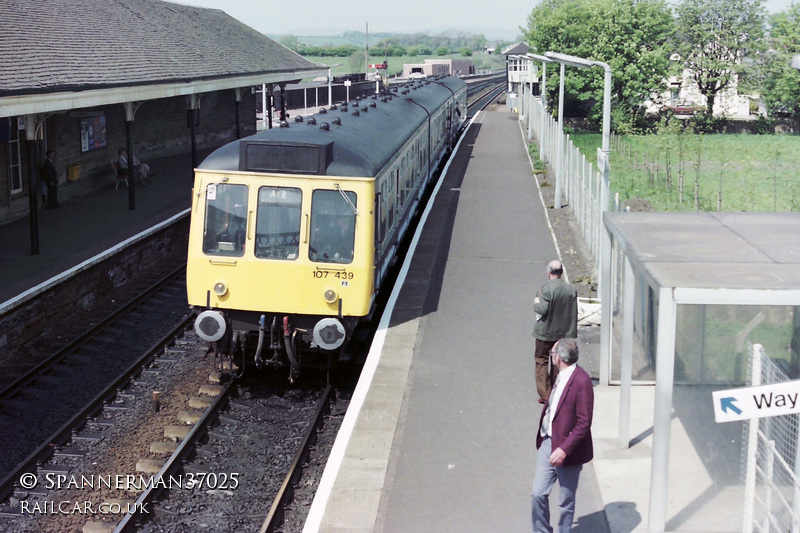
(444, 440)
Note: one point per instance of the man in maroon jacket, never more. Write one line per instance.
(564, 439)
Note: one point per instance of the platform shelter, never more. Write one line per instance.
(692, 302)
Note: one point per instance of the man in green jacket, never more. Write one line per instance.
(556, 307)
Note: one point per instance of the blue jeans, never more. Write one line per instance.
(543, 480)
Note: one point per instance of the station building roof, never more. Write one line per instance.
(58, 54)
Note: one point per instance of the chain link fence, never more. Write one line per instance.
(770, 459)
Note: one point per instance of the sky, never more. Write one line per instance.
(496, 20)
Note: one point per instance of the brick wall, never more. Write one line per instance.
(22, 325)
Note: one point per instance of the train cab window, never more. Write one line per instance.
(333, 226)
(226, 218)
(278, 223)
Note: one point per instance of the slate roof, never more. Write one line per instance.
(49, 46)
(519, 48)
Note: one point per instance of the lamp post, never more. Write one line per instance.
(603, 152)
(330, 92)
(543, 92)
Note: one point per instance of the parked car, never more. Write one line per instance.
(686, 107)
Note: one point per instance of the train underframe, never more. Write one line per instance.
(275, 340)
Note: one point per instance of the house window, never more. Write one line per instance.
(674, 95)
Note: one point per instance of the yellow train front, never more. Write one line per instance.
(293, 229)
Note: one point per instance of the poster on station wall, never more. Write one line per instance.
(93, 133)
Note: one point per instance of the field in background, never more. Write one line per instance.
(725, 172)
(396, 63)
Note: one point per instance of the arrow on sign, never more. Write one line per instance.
(727, 403)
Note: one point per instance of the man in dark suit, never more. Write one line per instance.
(564, 438)
(556, 307)
(50, 176)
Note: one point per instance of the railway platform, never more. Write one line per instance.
(440, 433)
(84, 227)
(442, 437)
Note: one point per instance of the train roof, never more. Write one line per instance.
(353, 144)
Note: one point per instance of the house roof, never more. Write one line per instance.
(519, 48)
(66, 54)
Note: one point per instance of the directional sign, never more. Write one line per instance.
(757, 402)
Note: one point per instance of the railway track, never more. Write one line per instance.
(37, 408)
(248, 447)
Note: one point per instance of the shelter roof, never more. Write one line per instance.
(76, 45)
(758, 251)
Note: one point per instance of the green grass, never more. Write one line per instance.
(735, 172)
(718, 339)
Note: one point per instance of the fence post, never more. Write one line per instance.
(752, 448)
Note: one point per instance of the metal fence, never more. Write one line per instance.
(581, 184)
(770, 459)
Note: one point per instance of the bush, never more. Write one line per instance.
(705, 123)
(762, 126)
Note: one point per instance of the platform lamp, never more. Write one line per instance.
(543, 93)
(602, 154)
(330, 91)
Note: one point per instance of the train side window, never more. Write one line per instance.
(333, 226)
(384, 195)
(278, 222)
(226, 217)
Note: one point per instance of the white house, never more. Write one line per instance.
(682, 92)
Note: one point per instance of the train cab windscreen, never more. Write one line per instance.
(226, 217)
(278, 222)
(333, 226)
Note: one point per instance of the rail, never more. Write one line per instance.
(64, 433)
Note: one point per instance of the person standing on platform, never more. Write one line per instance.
(556, 307)
(564, 439)
(50, 176)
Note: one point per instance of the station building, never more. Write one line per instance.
(86, 77)
(436, 67)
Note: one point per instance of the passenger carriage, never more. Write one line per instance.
(293, 229)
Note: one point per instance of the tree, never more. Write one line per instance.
(714, 37)
(442, 51)
(289, 41)
(632, 36)
(781, 84)
(357, 62)
(465, 51)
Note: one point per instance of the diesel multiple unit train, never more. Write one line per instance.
(293, 229)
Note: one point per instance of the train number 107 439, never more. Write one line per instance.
(336, 274)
